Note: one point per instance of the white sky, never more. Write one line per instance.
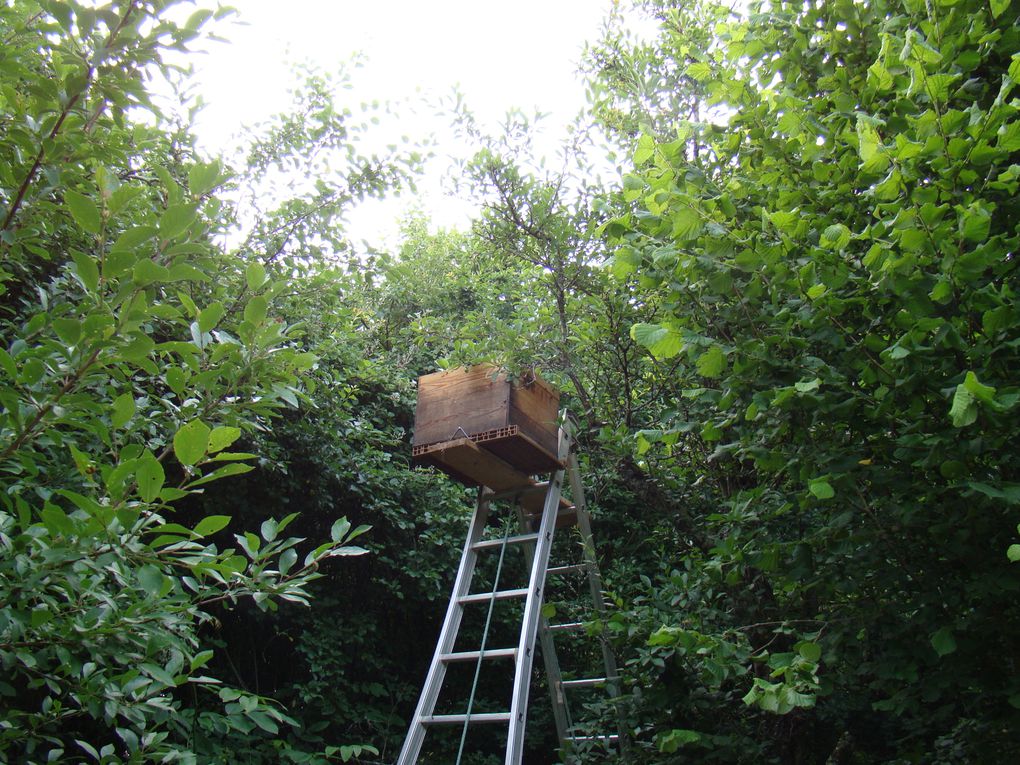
(501, 55)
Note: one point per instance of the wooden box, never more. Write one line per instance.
(515, 421)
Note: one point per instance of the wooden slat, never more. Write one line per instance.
(460, 401)
(465, 460)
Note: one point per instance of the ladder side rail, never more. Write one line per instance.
(533, 608)
(447, 636)
(596, 587)
(549, 658)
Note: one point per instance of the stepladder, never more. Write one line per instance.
(513, 598)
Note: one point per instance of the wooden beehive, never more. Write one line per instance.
(482, 428)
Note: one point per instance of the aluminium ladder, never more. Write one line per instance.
(537, 546)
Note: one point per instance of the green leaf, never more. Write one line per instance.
(7, 365)
(222, 437)
(148, 272)
(87, 271)
(255, 310)
(211, 524)
(981, 392)
(943, 641)
(867, 139)
(223, 472)
(84, 211)
(686, 224)
(998, 7)
(810, 651)
(711, 363)
(203, 178)
(123, 410)
(255, 276)
(821, 488)
(670, 742)
(963, 411)
(150, 478)
(176, 220)
(287, 560)
(1013, 553)
(975, 223)
(662, 342)
(339, 529)
(210, 316)
(151, 580)
(68, 330)
(835, 237)
(191, 442)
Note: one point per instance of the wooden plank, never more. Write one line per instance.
(465, 461)
(534, 408)
(523, 453)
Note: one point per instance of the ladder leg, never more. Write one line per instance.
(532, 610)
(447, 637)
(595, 585)
(550, 659)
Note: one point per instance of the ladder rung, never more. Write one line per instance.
(587, 682)
(568, 627)
(489, 653)
(485, 717)
(482, 597)
(499, 542)
(572, 569)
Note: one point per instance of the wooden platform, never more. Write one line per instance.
(470, 463)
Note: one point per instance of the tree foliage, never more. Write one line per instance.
(831, 250)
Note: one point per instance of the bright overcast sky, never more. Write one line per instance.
(500, 54)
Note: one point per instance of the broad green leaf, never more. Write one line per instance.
(943, 641)
(123, 409)
(645, 149)
(87, 271)
(1013, 553)
(151, 580)
(211, 524)
(150, 478)
(176, 220)
(269, 529)
(255, 310)
(963, 411)
(234, 468)
(68, 330)
(287, 560)
(175, 379)
(821, 488)
(339, 529)
(686, 224)
(981, 392)
(255, 276)
(210, 316)
(221, 437)
(711, 363)
(148, 272)
(84, 211)
(867, 139)
(835, 237)
(191, 442)
(998, 7)
(7, 365)
(975, 223)
(662, 342)
(810, 651)
(203, 178)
